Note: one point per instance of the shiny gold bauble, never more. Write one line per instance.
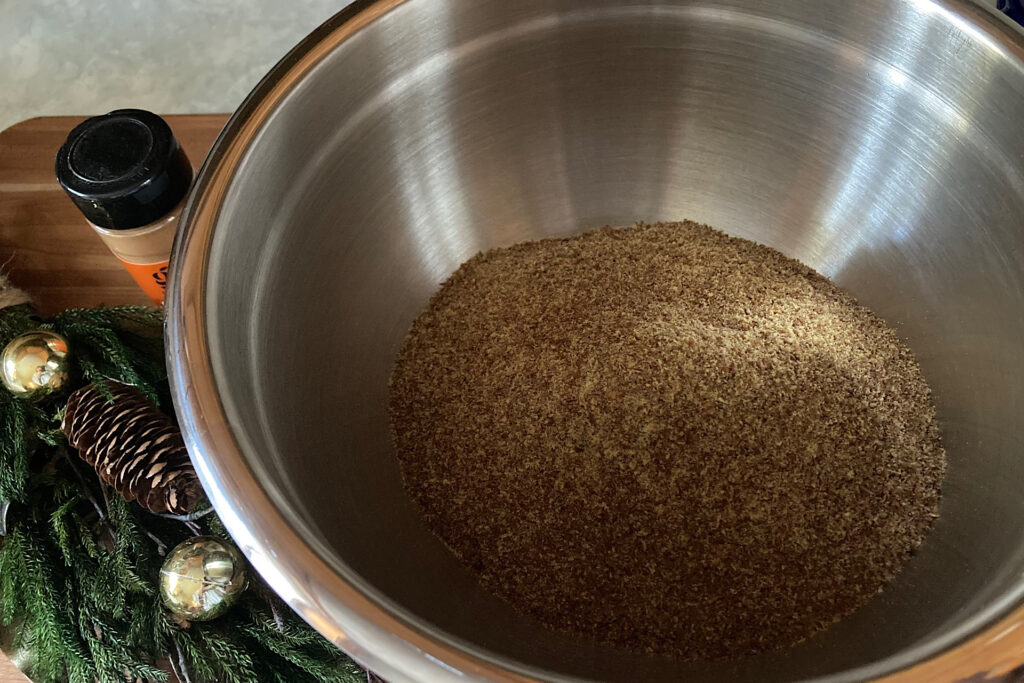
(35, 363)
(202, 578)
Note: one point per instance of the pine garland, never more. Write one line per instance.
(79, 565)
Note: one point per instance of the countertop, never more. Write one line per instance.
(176, 56)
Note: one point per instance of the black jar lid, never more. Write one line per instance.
(124, 169)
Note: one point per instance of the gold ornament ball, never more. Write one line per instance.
(35, 363)
(202, 578)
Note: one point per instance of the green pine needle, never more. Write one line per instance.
(80, 565)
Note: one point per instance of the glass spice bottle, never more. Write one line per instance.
(128, 175)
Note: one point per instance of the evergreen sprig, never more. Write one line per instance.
(79, 565)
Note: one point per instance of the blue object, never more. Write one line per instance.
(1013, 9)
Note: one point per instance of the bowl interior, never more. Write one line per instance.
(877, 142)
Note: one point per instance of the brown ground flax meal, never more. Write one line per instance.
(666, 439)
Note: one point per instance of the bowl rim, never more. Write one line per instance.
(353, 616)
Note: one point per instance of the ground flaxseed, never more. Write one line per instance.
(666, 439)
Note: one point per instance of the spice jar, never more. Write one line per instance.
(128, 175)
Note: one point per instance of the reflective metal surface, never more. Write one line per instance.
(878, 141)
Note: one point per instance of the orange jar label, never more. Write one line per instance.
(152, 277)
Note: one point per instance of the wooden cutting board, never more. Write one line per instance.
(45, 245)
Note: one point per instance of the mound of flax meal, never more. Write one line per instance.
(666, 439)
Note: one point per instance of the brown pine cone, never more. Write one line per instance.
(133, 446)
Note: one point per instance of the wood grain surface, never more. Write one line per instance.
(45, 245)
(9, 673)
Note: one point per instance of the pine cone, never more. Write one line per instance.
(133, 446)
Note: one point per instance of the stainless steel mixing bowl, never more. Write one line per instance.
(879, 141)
